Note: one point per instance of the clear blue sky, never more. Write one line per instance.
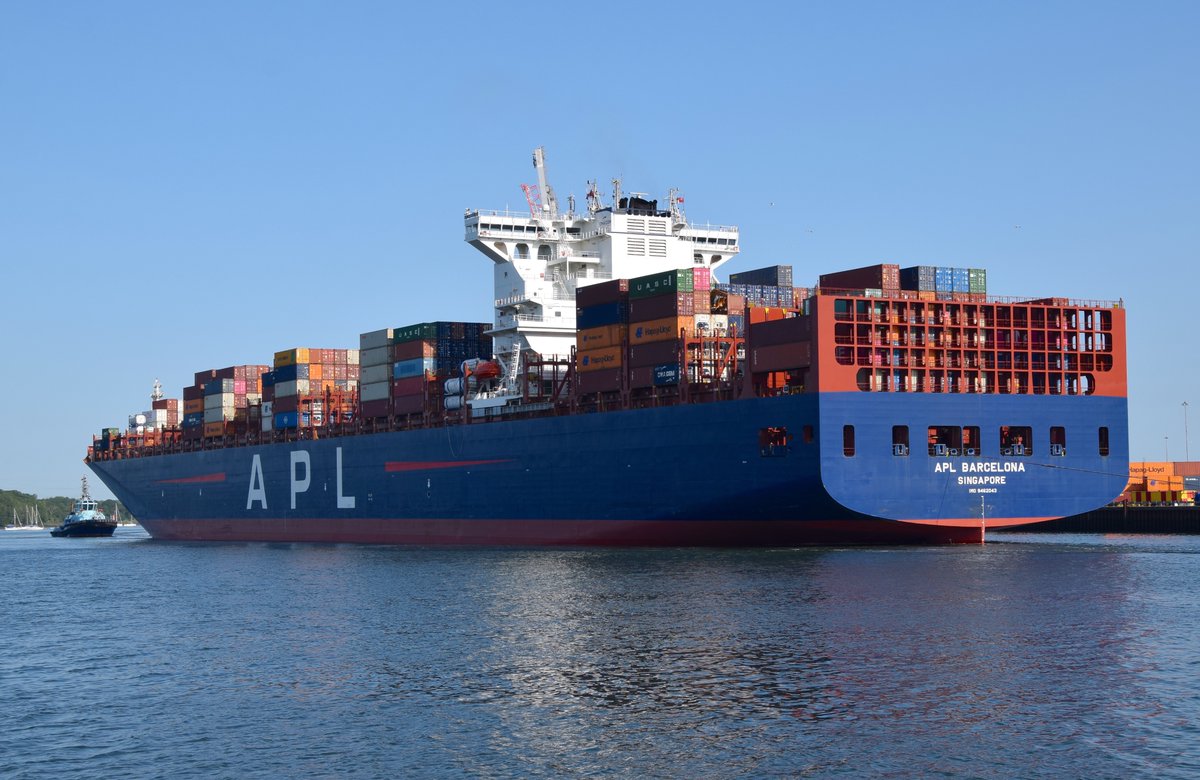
(189, 186)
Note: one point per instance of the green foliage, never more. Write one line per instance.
(52, 510)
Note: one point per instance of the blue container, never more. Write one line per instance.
(600, 315)
(193, 420)
(943, 279)
(268, 379)
(666, 375)
(414, 367)
(287, 419)
(218, 386)
(962, 280)
(292, 372)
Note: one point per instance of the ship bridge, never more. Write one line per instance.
(542, 256)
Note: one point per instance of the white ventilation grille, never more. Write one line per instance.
(636, 246)
(658, 227)
(635, 225)
(658, 247)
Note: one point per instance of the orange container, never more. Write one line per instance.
(597, 359)
(664, 329)
(214, 429)
(604, 336)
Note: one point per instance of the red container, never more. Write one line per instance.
(229, 372)
(193, 393)
(409, 350)
(661, 306)
(781, 357)
(413, 385)
(379, 408)
(165, 403)
(654, 354)
(411, 404)
(885, 276)
(605, 292)
(602, 381)
(287, 403)
(203, 378)
(786, 331)
(702, 301)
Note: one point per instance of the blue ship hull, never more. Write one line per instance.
(680, 475)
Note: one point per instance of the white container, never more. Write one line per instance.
(375, 391)
(376, 356)
(376, 338)
(379, 373)
(294, 387)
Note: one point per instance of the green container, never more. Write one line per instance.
(667, 282)
(422, 331)
(978, 280)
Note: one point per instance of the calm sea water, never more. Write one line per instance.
(1032, 656)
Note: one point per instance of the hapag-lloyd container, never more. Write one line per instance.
(597, 359)
(660, 330)
(604, 336)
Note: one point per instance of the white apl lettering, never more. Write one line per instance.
(300, 486)
(258, 490)
(343, 502)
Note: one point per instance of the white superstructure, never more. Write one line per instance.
(543, 256)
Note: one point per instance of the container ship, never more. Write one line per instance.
(622, 395)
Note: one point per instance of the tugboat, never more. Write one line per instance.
(85, 519)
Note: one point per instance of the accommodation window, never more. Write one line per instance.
(944, 440)
(773, 442)
(1104, 440)
(1058, 440)
(970, 441)
(1016, 440)
(900, 441)
(848, 441)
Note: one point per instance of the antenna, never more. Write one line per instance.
(156, 394)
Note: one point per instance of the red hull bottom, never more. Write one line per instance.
(566, 533)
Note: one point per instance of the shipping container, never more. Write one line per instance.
(773, 276)
(380, 407)
(918, 277)
(662, 283)
(978, 280)
(604, 336)
(165, 403)
(654, 353)
(598, 359)
(601, 314)
(782, 331)
(883, 276)
(295, 387)
(374, 391)
(701, 278)
(378, 373)
(781, 357)
(408, 404)
(289, 357)
(612, 291)
(415, 349)
(190, 407)
(661, 330)
(603, 381)
(214, 429)
(660, 306)
(422, 330)
(409, 368)
(412, 386)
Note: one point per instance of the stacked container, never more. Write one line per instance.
(601, 335)
(770, 286)
(771, 276)
(883, 276)
(311, 387)
(945, 281)
(662, 309)
(403, 367)
(219, 397)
